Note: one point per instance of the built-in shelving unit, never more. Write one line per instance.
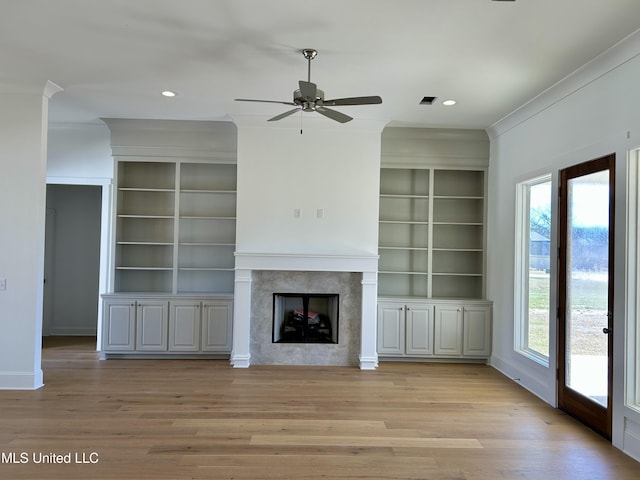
(175, 228)
(431, 233)
(207, 220)
(145, 226)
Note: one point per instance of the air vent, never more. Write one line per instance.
(427, 100)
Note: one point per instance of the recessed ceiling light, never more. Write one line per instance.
(448, 103)
(169, 93)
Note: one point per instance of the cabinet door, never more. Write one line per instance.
(151, 326)
(119, 325)
(216, 326)
(391, 328)
(448, 331)
(184, 326)
(477, 331)
(419, 330)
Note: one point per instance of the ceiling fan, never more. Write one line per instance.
(309, 98)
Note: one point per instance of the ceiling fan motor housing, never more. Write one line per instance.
(306, 104)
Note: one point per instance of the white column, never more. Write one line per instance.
(368, 338)
(23, 158)
(241, 352)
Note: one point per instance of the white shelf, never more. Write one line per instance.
(392, 195)
(146, 268)
(402, 272)
(431, 233)
(206, 269)
(202, 217)
(148, 190)
(125, 215)
(145, 243)
(216, 192)
(206, 244)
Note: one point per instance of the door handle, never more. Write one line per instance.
(607, 331)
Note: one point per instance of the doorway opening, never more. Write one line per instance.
(585, 292)
(72, 260)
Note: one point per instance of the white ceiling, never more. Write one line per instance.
(114, 57)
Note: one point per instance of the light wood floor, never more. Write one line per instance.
(202, 419)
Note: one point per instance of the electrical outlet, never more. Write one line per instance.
(297, 213)
(320, 213)
(3, 284)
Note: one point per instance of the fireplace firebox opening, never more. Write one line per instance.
(305, 318)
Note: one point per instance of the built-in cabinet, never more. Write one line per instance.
(452, 329)
(166, 325)
(431, 278)
(405, 328)
(173, 259)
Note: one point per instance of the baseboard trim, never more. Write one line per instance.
(533, 384)
(21, 380)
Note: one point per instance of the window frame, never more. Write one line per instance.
(521, 258)
(632, 284)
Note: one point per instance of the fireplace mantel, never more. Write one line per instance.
(366, 264)
(307, 262)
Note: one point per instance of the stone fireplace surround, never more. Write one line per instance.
(259, 275)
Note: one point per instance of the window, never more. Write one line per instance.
(533, 282)
(632, 336)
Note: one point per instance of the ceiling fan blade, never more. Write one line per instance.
(334, 115)
(263, 101)
(308, 90)
(353, 101)
(283, 115)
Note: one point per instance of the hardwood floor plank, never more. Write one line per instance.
(202, 419)
(360, 441)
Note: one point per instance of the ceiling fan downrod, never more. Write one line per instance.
(309, 54)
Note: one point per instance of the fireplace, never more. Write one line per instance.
(305, 318)
(352, 277)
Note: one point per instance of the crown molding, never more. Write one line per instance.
(614, 57)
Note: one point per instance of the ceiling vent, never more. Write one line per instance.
(427, 100)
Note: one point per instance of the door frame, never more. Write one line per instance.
(106, 233)
(584, 409)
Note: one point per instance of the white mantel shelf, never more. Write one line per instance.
(246, 263)
(307, 262)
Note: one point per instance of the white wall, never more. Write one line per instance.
(593, 113)
(23, 140)
(79, 151)
(335, 168)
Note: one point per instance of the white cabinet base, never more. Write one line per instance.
(166, 326)
(414, 329)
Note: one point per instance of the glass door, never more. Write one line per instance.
(585, 297)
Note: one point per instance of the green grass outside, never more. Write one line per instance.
(588, 293)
